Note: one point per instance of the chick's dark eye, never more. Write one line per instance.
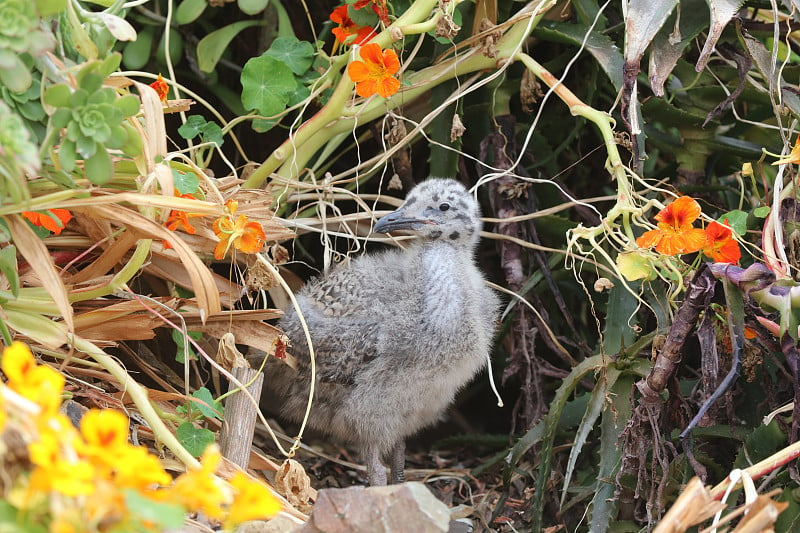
(444, 207)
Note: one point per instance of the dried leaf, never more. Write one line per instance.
(36, 254)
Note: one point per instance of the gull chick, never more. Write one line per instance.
(395, 334)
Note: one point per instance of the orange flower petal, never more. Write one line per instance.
(161, 88)
(357, 71)
(391, 62)
(388, 86)
(649, 238)
(720, 244)
(684, 210)
(371, 53)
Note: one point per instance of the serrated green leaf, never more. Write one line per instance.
(212, 46)
(190, 10)
(194, 439)
(295, 54)
(266, 85)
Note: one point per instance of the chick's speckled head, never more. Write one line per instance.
(437, 209)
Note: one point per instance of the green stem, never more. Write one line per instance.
(139, 396)
(333, 119)
(131, 268)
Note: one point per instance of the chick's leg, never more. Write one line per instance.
(399, 462)
(376, 472)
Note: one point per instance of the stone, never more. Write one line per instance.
(408, 507)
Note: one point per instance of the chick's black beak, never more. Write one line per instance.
(399, 221)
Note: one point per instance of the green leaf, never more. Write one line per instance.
(14, 521)
(362, 17)
(58, 95)
(50, 7)
(762, 212)
(190, 10)
(136, 54)
(195, 440)
(266, 85)
(185, 183)
(99, 167)
(67, 155)
(185, 348)
(160, 516)
(737, 220)
(212, 132)
(128, 104)
(212, 46)
(17, 77)
(8, 266)
(251, 7)
(192, 127)
(109, 65)
(295, 54)
(210, 408)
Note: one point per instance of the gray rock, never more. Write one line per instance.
(409, 507)
(395, 334)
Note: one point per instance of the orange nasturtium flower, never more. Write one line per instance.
(237, 231)
(793, 157)
(675, 233)
(375, 74)
(346, 27)
(161, 88)
(180, 219)
(720, 244)
(53, 219)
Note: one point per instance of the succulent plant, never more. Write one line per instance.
(20, 33)
(92, 120)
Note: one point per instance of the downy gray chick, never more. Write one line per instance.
(395, 334)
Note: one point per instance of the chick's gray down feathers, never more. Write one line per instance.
(395, 334)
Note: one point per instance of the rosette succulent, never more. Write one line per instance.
(20, 33)
(92, 120)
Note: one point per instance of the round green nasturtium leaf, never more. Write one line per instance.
(295, 54)
(737, 219)
(185, 182)
(266, 85)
